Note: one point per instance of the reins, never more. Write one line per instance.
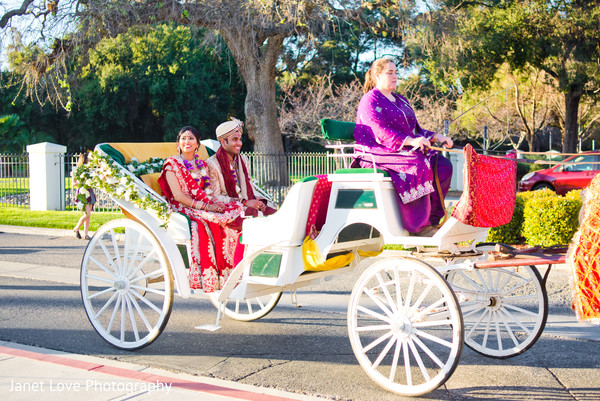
(521, 160)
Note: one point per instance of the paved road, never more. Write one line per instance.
(303, 350)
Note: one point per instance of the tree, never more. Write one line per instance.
(302, 107)
(142, 85)
(516, 107)
(474, 39)
(254, 31)
(151, 81)
(14, 136)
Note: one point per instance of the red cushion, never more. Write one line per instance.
(488, 198)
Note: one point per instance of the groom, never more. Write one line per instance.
(228, 171)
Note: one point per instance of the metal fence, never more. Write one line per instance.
(14, 180)
(275, 173)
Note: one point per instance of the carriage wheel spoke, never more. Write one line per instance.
(142, 264)
(132, 318)
(477, 323)
(421, 298)
(140, 311)
(106, 305)
(429, 353)
(518, 309)
(374, 314)
(103, 267)
(385, 350)
(103, 279)
(371, 294)
(105, 291)
(418, 358)
(378, 327)
(470, 308)
(508, 329)
(398, 292)
(135, 252)
(151, 305)
(517, 321)
(394, 365)
(409, 291)
(377, 342)
(407, 365)
(388, 297)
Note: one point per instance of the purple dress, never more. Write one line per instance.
(384, 129)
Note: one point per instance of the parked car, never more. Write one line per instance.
(564, 177)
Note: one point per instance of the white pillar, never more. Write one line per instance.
(46, 176)
(458, 166)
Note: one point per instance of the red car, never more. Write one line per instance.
(563, 178)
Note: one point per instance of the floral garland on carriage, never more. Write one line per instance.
(101, 172)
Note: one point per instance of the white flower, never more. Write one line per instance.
(84, 192)
(130, 168)
(110, 180)
(123, 180)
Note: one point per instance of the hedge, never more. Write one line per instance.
(540, 218)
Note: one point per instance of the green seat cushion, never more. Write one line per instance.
(360, 171)
(113, 153)
(337, 130)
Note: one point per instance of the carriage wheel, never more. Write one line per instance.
(126, 284)
(405, 326)
(504, 309)
(250, 309)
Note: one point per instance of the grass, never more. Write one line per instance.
(20, 185)
(14, 216)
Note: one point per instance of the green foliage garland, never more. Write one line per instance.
(152, 165)
(103, 173)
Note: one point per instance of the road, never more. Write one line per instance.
(303, 350)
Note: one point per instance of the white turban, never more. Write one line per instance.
(225, 129)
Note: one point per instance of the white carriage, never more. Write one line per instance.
(408, 317)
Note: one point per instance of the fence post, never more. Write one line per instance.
(46, 176)
(458, 163)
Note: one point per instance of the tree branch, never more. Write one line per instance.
(20, 11)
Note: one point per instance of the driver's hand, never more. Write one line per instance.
(444, 140)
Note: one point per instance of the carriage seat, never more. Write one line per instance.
(124, 152)
(343, 132)
(287, 226)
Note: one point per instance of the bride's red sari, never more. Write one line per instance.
(213, 244)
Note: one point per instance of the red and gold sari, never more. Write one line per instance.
(214, 246)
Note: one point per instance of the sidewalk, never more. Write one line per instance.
(37, 373)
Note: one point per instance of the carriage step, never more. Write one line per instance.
(208, 327)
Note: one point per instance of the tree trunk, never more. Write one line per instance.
(257, 57)
(570, 135)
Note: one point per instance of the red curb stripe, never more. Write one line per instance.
(142, 376)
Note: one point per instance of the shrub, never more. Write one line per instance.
(511, 233)
(551, 220)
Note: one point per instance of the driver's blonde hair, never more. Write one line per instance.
(376, 68)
